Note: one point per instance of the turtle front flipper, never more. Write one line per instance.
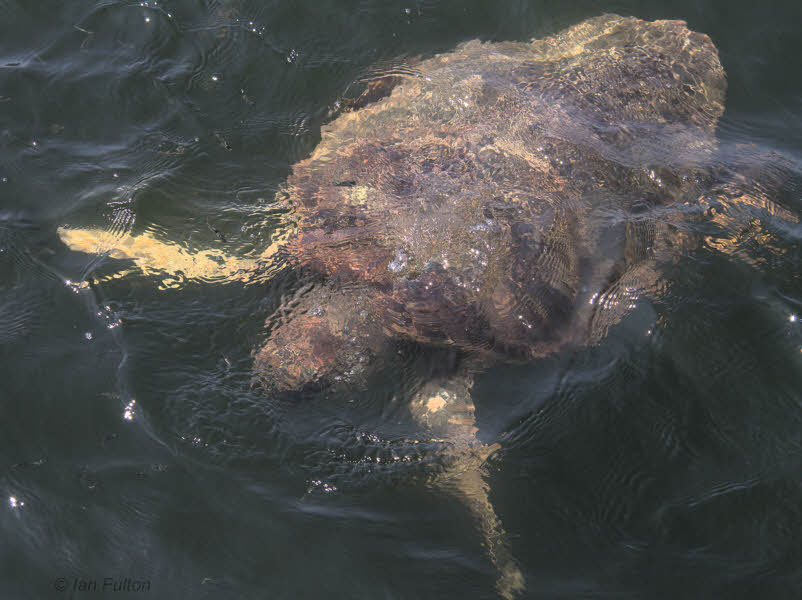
(446, 408)
(173, 263)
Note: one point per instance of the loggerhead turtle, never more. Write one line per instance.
(507, 200)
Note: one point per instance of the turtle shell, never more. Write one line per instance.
(487, 198)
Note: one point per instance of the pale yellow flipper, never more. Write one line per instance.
(446, 408)
(173, 263)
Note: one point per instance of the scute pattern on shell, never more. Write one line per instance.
(469, 201)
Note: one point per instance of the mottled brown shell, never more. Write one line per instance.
(470, 204)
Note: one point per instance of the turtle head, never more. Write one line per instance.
(327, 333)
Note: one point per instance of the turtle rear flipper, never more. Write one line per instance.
(381, 85)
(745, 209)
(445, 407)
(375, 90)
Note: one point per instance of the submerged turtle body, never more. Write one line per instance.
(504, 200)
(490, 204)
(470, 206)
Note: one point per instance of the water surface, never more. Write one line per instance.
(663, 462)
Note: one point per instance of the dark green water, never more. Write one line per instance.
(665, 464)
